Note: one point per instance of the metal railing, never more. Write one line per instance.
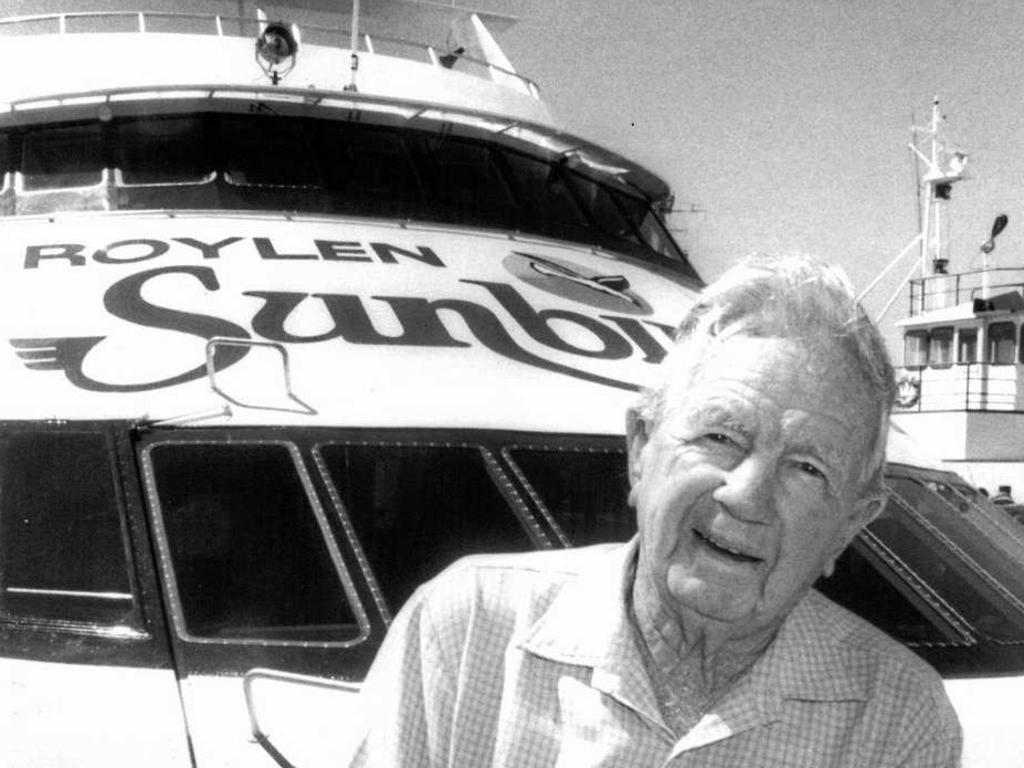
(960, 387)
(938, 291)
(85, 22)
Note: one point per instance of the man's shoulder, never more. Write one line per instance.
(863, 641)
(506, 591)
(884, 668)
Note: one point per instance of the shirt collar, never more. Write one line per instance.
(587, 625)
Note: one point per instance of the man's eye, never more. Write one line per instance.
(811, 470)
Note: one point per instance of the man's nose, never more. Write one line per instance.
(748, 490)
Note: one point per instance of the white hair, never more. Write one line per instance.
(800, 299)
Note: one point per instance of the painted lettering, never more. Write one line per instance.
(420, 325)
(341, 250)
(653, 351)
(537, 324)
(156, 248)
(267, 250)
(209, 250)
(70, 251)
(386, 253)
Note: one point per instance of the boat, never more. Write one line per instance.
(296, 310)
(960, 409)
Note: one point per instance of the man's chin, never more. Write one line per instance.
(712, 602)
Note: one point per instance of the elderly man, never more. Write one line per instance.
(701, 642)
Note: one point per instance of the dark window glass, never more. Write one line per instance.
(604, 213)
(5, 158)
(163, 151)
(466, 183)
(61, 538)
(249, 557)
(417, 509)
(552, 208)
(967, 345)
(917, 524)
(586, 492)
(70, 156)
(263, 161)
(864, 585)
(1002, 337)
(940, 347)
(269, 152)
(370, 172)
(915, 349)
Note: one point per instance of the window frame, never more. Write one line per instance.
(163, 552)
(495, 472)
(991, 342)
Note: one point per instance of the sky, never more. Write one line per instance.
(786, 122)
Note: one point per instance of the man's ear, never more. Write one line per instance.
(636, 438)
(865, 509)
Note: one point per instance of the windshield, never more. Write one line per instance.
(366, 516)
(267, 162)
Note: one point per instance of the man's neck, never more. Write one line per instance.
(692, 662)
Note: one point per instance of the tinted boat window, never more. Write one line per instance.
(163, 151)
(268, 151)
(466, 183)
(416, 509)
(871, 589)
(931, 537)
(249, 554)
(584, 491)
(61, 538)
(345, 167)
(369, 172)
(62, 157)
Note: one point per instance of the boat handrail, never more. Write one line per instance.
(946, 290)
(226, 26)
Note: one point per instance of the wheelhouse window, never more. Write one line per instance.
(163, 150)
(915, 349)
(984, 580)
(63, 548)
(62, 157)
(257, 161)
(416, 509)
(940, 347)
(967, 345)
(1002, 338)
(266, 151)
(248, 545)
(585, 492)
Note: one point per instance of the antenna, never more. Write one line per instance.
(942, 168)
(354, 45)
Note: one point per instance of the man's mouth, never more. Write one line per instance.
(722, 548)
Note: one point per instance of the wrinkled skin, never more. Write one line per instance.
(747, 488)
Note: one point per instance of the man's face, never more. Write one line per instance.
(747, 487)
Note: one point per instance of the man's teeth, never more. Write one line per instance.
(725, 547)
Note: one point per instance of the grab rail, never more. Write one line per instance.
(224, 26)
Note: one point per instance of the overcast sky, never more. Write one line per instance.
(787, 121)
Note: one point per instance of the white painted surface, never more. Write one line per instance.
(83, 716)
(990, 713)
(379, 384)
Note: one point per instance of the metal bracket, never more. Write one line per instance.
(211, 373)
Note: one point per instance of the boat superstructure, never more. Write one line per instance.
(961, 392)
(290, 315)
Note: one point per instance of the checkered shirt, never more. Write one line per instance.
(530, 660)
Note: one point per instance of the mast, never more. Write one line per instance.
(942, 169)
